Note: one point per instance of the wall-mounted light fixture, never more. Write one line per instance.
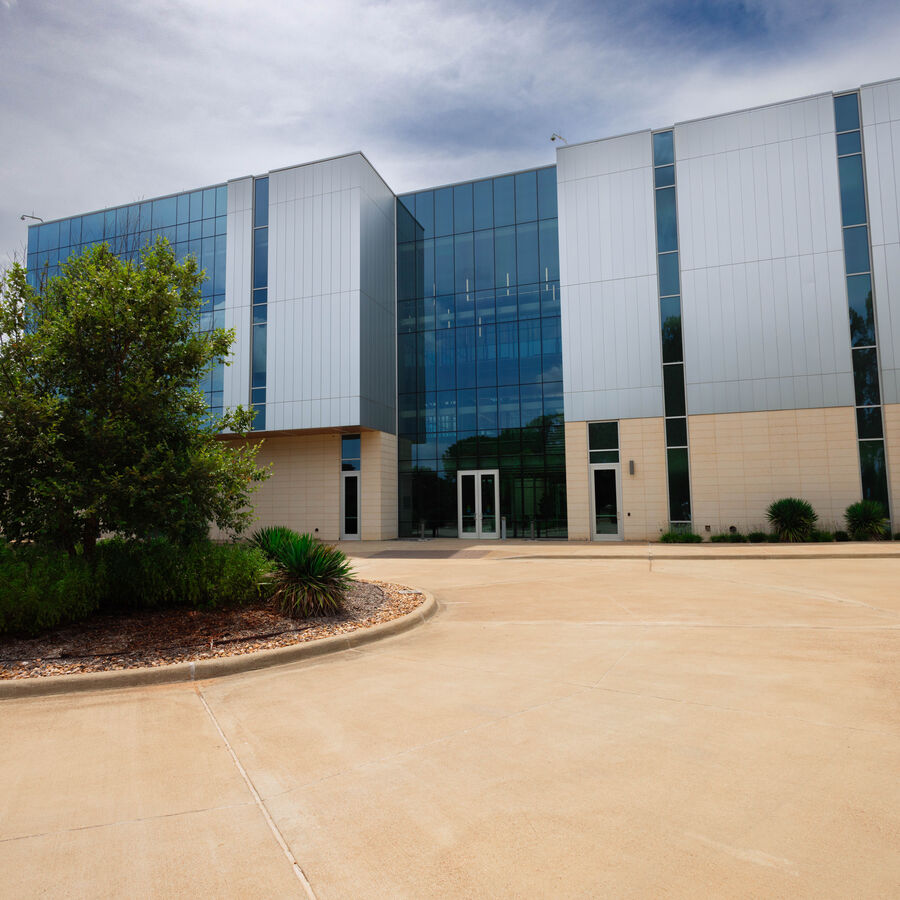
(631, 467)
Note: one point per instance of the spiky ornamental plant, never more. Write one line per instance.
(270, 537)
(311, 577)
(792, 519)
(867, 521)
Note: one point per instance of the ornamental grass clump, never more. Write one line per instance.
(792, 519)
(271, 537)
(867, 521)
(311, 578)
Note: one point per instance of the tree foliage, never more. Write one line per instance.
(103, 427)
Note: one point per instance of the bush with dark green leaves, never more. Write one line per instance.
(867, 521)
(821, 537)
(42, 587)
(792, 519)
(729, 537)
(773, 538)
(841, 536)
(311, 577)
(680, 537)
(757, 537)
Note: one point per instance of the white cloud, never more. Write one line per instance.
(103, 104)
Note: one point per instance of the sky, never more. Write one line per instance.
(105, 103)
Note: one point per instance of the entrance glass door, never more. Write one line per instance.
(478, 502)
(606, 517)
(349, 506)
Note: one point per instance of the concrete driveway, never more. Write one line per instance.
(564, 727)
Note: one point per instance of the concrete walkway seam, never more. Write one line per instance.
(202, 669)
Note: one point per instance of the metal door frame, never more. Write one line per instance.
(478, 534)
(620, 522)
(354, 473)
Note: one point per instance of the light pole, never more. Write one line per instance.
(25, 216)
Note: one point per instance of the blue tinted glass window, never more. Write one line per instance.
(425, 259)
(664, 176)
(259, 419)
(529, 302)
(856, 249)
(668, 274)
(865, 377)
(164, 212)
(445, 358)
(209, 203)
(218, 273)
(486, 354)
(549, 242)
(443, 265)
(673, 389)
(183, 208)
(508, 353)
(260, 257)
(428, 359)
(526, 197)
(259, 356)
(74, 230)
(529, 350)
(551, 349)
(531, 402)
(484, 204)
(196, 205)
(553, 398)
(666, 232)
(462, 207)
(527, 260)
(465, 357)
(862, 316)
(853, 196)
(508, 403)
(221, 224)
(546, 187)
(350, 446)
(261, 202)
(465, 411)
(425, 212)
(504, 201)
(92, 228)
(663, 149)
(64, 233)
(484, 260)
(504, 256)
(443, 211)
(464, 262)
(846, 113)
(222, 200)
(109, 223)
(406, 225)
(848, 143)
(406, 271)
(209, 228)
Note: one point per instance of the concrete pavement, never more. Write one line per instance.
(564, 727)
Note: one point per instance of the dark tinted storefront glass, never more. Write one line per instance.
(862, 316)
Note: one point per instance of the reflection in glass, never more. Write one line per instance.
(853, 196)
(868, 423)
(856, 249)
(865, 377)
(862, 316)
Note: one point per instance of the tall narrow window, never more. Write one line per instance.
(860, 300)
(674, 402)
(259, 301)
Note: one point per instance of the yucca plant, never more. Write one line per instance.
(270, 537)
(311, 578)
(792, 519)
(866, 520)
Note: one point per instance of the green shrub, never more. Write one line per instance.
(311, 578)
(680, 537)
(821, 537)
(773, 538)
(757, 537)
(841, 536)
(40, 589)
(269, 538)
(729, 537)
(867, 520)
(792, 518)
(718, 538)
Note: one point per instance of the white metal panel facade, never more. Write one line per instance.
(313, 365)
(610, 312)
(880, 110)
(764, 304)
(238, 257)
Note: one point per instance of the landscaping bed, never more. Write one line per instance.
(162, 637)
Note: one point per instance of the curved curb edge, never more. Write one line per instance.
(200, 670)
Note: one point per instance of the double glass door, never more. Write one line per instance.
(606, 503)
(478, 503)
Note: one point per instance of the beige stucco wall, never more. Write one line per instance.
(892, 450)
(379, 486)
(578, 506)
(644, 513)
(645, 507)
(741, 462)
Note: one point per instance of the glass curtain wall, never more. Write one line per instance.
(194, 224)
(479, 351)
(858, 270)
(260, 301)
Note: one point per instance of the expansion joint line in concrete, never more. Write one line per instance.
(295, 866)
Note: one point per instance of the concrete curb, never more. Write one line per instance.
(215, 668)
(690, 557)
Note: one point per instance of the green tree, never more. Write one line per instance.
(103, 427)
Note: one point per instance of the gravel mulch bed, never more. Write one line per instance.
(170, 636)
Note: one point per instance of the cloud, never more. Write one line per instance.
(107, 103)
